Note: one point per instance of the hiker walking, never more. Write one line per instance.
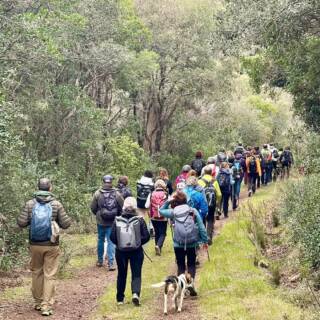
(237, 169)
(182, 177)
(266, 163)
(225, 181)
(189, 230)
(144, 187)
(155, 201)
(129, 233)
(286, 160)
(211, 162)
(253, 170)
(213, 196)
(44, 215)
(163, 175)
(123, 187)
(106, 204)
(198, 163)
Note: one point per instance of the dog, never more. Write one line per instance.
(176, 286)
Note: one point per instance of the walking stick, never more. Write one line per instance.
(147, 255)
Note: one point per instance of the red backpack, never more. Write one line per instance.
(158, 198)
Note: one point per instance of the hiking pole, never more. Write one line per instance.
(147, 255)
(208, 254)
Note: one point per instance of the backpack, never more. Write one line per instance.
(224, 180)
(108, 205)
(189, 193)
(40, 229)
(157, 199)
(252, 165)
(237, 170)
(210, 193)
(197, 165)
(181, 178)
(286, 157)
(186, 230)
(275, 153)
(143, 191)
(128, 233)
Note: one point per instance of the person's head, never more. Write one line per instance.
(192, 173)
(124, 180)
(129, 205)
(192, 181)
(288, 148)
(160, 184)
(211, 160)
(238, 156)
(44, 184)
(181, 186)
(231, 159)
(280, 149)
(207, 170)
(222, 151)
(186, 168)
(249, 148)
(179, 198)
(224, 165)
(199, 154)
(265, 146)
(239, 144)
(107, 180)
(148, 174)
(256, 149)
(163, 173)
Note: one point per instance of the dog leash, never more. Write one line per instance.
(147, 255)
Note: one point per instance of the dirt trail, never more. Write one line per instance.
(76, 298)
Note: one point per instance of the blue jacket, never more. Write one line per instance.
(203, 238)
(197, 200)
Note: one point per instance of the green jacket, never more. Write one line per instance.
(58, 214)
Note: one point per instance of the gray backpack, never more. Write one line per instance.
(186, 230)
(128, 233)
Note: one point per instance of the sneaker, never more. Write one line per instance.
(46, 312)
(120, 303)
(158, 250)
(250, 194)
(99, 264)
(111, 267)
(135, 300)
(192, 290)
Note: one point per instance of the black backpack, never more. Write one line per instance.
(224, 180)
(286, 157)
(197, 165)
(108, 205)
(252, 165)
(210, 193)
(143, 191)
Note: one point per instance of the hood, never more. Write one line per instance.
(106, 188)
(146, 181)
(43, 196)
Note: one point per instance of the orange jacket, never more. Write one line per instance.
(258, 165)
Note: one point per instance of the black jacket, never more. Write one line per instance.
(145, 235)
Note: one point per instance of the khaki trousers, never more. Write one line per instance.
(44, 266)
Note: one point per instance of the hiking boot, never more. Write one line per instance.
(136, 300)
(250, 193)
(158, 250)
(37, 307)
(192, 290)
(111, 267)
(99, 264)
(46, 312)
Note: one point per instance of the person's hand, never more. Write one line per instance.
(205, 246)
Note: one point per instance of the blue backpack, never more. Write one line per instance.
(40, 230)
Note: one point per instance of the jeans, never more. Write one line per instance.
(103, 233)
(252, 180)
(136, 261)
(160, 231)
(269, 172)
(181, 255)
(264, 177)
(225, 202)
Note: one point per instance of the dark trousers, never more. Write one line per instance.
(252, 181)
(225, 202)
(136, 260)
(160, 231)
(181, 255)
(210, 222)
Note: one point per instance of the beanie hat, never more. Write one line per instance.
(130, 204)
(160, 184)
(192, 181)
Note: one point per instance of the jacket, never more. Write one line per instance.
(209, 178)
(145, 235)
(203, 238)
(58, 214)
(258, 165)
(96, 209)
(197, 200)
(227, 172)
(125, 191)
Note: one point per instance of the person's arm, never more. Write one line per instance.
(64, 221)
(94, 203)
(147, 205)
(23, 220)
(218, 191)
(145, 235)
(120, 202)
(165, 211)
(169, 187)
(202, 230)
(113, 235)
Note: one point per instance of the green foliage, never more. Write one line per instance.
(301, 212)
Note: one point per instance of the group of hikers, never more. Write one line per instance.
(199, 195)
